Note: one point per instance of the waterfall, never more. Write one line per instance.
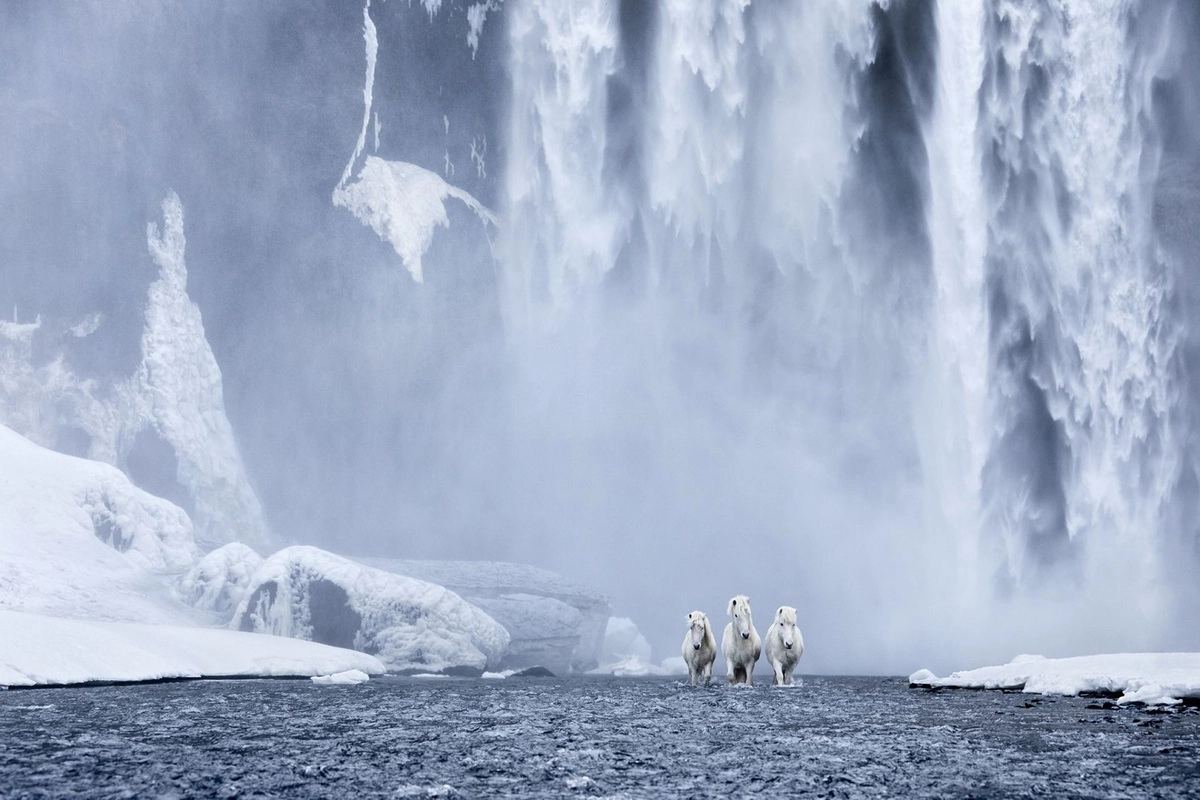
(895, 260)
(1083, 379)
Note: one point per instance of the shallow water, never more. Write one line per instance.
(404, 737)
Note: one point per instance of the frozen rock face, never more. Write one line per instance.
(218, 582)
(174, 401)
(552, 622)
(409, 624)
(77, 539)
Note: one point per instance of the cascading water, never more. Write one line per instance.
(1083, 374)
(896, 299)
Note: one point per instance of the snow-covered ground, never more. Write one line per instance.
(38, 650)
(1150, 678)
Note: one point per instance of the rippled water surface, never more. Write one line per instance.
(407, 737)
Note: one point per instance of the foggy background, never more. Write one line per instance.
(702, 352)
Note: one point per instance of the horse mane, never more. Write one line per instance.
(710, 639)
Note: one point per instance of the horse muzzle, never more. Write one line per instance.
(746, 635)
(695, 647)
(788, 645)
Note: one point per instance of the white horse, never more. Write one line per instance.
(699, 648)
(785, 645)
(741, 644)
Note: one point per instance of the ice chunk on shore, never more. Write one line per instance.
(552, 621)
(37, 650)
(1150, 678)
(410, 624)
(347, 678)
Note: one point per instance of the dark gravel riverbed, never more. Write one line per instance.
(602, 737)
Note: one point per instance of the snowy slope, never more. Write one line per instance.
(78, 539)
(1151, 678)
(410, 624)
(36, 650)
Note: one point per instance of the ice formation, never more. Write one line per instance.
(412, 625)
(218, 581)
(622, 639)
(403, 203)
(552, 622)
(350, 677)
(180, 381)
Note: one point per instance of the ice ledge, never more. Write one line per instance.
(1149, 678)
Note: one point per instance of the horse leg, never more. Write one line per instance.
(780, 675)
(731, 669)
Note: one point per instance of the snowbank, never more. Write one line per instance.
(1151, 678)
(38, 650)
(218, 582)
(552, 622)
(78, 539)
(410, 624)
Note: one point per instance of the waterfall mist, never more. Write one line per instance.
(883, 310)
